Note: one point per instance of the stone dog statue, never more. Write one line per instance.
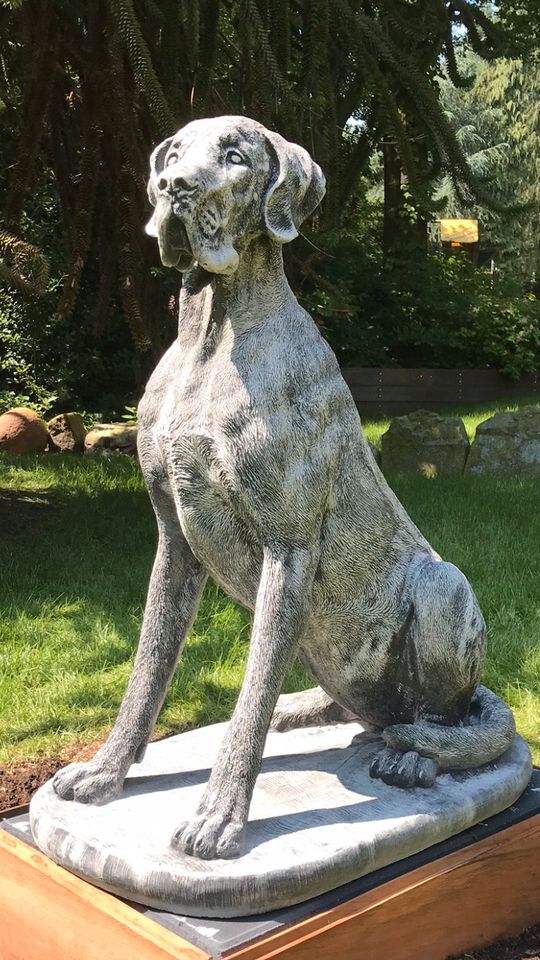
(260, 477)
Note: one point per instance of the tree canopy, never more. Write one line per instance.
(88, 87)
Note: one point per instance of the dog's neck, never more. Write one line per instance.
(211, 302)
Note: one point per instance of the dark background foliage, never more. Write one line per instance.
(88, 87)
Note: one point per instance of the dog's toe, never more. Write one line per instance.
(87, 783)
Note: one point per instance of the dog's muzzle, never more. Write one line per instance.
(189, 225)
(170, 231)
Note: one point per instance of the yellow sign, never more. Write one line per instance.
(459, 231)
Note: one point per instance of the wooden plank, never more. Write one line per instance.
(468, 899)
(13, 811)
(391, 386)
(482, 892)
(49, 914)
(367, 375)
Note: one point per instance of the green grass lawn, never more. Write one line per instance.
(76, 546)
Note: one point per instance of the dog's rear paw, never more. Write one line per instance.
(87, 783)
(400, 769)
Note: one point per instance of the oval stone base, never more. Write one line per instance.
(317, 821)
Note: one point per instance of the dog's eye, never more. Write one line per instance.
(172, 158)
(234, 157)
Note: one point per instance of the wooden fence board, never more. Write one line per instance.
(379, 390)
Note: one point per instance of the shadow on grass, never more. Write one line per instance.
(74, 594)
(54, 725)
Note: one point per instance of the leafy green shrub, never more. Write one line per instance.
(52, 363)
(418, 311)
(55, 365)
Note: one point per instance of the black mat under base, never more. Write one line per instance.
(219, 937)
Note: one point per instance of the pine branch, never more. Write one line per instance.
(23, 265)
(142, 66)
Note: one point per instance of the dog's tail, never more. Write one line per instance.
(484, 735)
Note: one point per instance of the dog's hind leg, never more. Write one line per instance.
(308, 708)
(458, 725)
(173, 597)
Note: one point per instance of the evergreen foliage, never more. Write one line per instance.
(509, 92)
(89, 86)
(497, 122)
(431, 311)
(482, 138)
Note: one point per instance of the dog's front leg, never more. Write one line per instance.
(280, 612)
(175, 589)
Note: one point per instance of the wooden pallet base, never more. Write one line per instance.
(471, 897)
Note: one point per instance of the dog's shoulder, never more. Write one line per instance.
(151, 402)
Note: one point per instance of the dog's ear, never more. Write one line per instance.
(296, 187)
(157, 164)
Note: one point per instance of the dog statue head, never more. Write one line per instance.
(220, 181)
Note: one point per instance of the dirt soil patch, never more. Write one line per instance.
(20, 779)
(524, 947)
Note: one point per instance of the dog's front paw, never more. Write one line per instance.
(87, 783)
(210, 837)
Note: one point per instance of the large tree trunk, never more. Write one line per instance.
(402, 235)
(393, 222)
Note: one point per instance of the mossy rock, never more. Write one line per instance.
(424, 442)
(106, 439)
(509, 442)
(67, 433)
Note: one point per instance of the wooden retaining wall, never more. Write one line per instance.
(390, 390)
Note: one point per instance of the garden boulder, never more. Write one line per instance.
(424, 442)
(22, 431)
(107, 438)
(508, 442)
(67, 433)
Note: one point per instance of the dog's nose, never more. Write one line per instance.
(172, 182)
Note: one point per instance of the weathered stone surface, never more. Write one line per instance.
(508, 443)
(260, 477)
(107, 438)
(22, 431)
(376, 453)
(425, 442)
(67, 433)
(317, 821)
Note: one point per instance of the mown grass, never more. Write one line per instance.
(76, 548)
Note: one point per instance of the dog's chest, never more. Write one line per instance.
(207, 447)
(214, 514)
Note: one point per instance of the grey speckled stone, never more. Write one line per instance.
(260, 477)
(508, 442)
(317, 821)
(424, 442)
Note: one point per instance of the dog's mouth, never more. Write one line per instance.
(172, 237)
(174, 245)
(186, 234)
